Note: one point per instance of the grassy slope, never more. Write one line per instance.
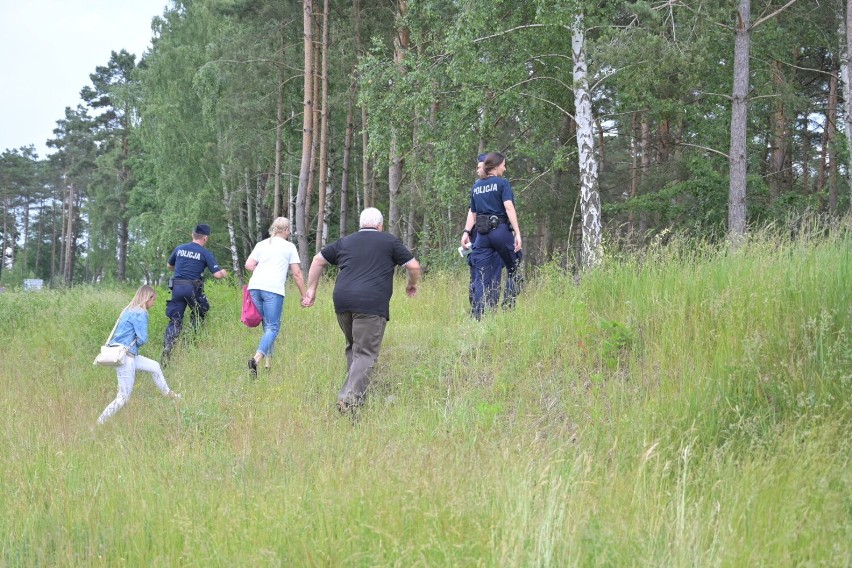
(690, 409)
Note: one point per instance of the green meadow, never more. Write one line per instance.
(689, 406)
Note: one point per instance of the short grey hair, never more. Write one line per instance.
(371, 217)
(278, 226)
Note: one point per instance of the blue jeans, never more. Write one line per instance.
(270, 305)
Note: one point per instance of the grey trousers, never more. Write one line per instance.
(364, 334)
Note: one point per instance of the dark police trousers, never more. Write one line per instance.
(486, 279)
(185, 293)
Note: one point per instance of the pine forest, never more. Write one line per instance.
(623, 122)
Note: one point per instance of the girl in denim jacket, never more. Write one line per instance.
(132, 331)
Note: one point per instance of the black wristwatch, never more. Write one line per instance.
(467, 231)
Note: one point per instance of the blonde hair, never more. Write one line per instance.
(278, 226)
(140, 300)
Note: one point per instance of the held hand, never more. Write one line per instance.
(308, 299)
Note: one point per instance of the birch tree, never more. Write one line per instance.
(590, 201)
(846, 53)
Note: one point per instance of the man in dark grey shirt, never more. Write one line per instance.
(362, 294)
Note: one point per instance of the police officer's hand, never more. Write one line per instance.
(411, 290)
(308, 299)
(517, 242)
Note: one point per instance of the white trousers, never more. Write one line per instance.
(127, 376)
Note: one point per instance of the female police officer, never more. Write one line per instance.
(493, 221)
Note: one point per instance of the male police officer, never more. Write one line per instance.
(188, 262)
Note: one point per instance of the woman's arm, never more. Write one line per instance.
(139, 321)
(513, 220)
(314, 272)
(296, 271)
(468, 228)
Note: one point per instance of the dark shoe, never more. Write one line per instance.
(252, 365)
(346, 409)
(165, 356)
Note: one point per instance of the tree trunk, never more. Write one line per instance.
(590, 202)
(259, 187)
(39, 236)
(601, 147)
(307, 138)
(290, 201)
(347, 158)
(322, 208)
(779, 156)
(366, 173)
(252, 222)
(739, 115)
(394, 183)
(123, 221)
(5, 230)
(634, 169)
(227, 198)
(846, 50)
(312, 174)
(645, 164)
(395, 160)
(279, 123)
(830, 134)
(806, 156)
(54, 237)
(68, 266)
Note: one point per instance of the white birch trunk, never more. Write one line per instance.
(290, 199)
(394, 184)
(251, 227)
(590, 200)
(846, 50)
(232, 234)
(258, 200)
(326, 213)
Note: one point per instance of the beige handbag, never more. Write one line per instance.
(112, 355)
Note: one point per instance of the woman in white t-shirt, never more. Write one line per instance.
(269, 263)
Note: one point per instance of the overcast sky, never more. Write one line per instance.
(48, 48)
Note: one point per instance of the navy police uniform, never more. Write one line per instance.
(486, 202)
(190, 260)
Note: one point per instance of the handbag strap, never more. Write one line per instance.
(116, 326)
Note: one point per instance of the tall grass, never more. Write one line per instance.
(689, 407)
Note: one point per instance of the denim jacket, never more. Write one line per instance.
(133, 324)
